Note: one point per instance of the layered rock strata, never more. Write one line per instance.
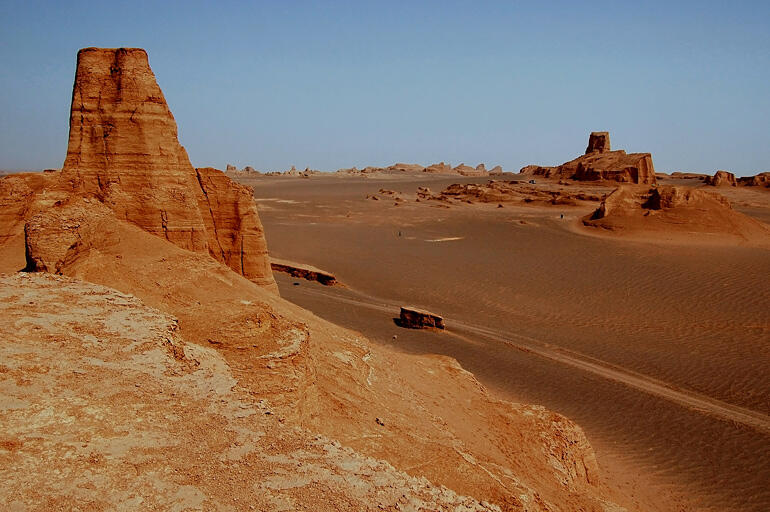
(123, 151)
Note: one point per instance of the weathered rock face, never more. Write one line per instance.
(599, 163)
(496, 170)
(721, 179)
(598, 142)
(17, 198)
(123, 149)
(235, 234)
(59, 236)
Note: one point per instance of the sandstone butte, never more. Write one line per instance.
(159, 370)
(601, 163)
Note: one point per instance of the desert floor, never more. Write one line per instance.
(659, 350)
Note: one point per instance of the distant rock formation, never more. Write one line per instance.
(600, 163)
(672, 210)
(678, 175)
(499, 192)
(294, 173)
(414, 318)
(761, 179)
(439, 168)
(467, 170)
(496, 171)
(721, 179)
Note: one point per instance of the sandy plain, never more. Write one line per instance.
(659, 348)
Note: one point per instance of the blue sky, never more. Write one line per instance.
(335, 84)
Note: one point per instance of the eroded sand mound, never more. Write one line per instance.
(676, 211)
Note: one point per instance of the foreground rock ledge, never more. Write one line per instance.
(99, 389)
(303, 271)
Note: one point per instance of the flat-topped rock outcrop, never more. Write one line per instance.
(304, 271)
(599, 163)
(414, 318)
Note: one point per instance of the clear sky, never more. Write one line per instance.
(333, 84)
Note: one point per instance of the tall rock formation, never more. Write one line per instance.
(123, 149)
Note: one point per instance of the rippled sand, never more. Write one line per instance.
(693, 319)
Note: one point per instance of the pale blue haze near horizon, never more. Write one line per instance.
(339, 84)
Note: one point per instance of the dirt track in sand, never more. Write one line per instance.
(695, 401)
